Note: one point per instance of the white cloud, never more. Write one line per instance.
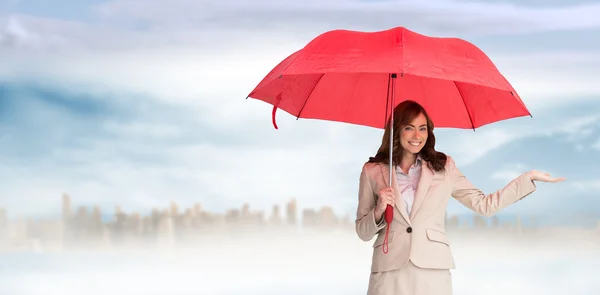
(222, 80)
(510, 172)
(587, 186)
(534, 76)
(153, 154)
(14, 34)
(181, 75)
(141, 176)
(440, 15)
(59, 36)
(468, 146)
(21, 32)
(577, 129)
(192, 63)
(241, 23)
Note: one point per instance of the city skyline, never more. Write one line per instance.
(581, 217)
(67, 207)
(77, 227)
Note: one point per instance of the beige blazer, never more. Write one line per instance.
(421, 237)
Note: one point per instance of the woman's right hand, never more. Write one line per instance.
(386, 197)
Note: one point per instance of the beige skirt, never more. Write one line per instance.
(411, 280)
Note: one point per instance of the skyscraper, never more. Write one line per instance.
(66, 207)
(291, 212)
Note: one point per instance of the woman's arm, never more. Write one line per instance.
(488, 205)
(366, 225)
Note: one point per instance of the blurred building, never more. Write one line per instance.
(291, 211)
(3, 219)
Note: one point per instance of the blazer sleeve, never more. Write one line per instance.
(366, 228)
(487, 204)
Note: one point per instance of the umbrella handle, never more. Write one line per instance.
(273, 116)
(389, 214)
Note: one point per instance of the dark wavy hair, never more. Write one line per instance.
(404, 113)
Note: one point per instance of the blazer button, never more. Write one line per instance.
(409, 229)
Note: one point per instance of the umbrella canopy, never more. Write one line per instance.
(344, 76)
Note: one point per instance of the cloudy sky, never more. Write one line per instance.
(138, 103)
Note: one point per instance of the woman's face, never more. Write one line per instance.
(414, 135)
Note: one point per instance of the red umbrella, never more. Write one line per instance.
(359, 77)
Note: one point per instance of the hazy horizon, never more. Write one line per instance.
(309, 264)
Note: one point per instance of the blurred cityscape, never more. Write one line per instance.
(84, 230)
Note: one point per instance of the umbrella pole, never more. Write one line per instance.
(391, 147)
(389, 210)
(392, 105)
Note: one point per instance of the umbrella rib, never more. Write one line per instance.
(465, 103)
(309, 94)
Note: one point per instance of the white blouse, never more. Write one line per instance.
(407, 183)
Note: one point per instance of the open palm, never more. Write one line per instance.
(543, 176)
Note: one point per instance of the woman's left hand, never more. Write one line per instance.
(535, 175)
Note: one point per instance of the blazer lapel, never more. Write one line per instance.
(422, 187)
(400, 204)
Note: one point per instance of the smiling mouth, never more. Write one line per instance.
(414, 143)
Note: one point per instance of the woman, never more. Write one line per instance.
(414, 257)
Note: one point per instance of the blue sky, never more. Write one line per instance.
(138, 103)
